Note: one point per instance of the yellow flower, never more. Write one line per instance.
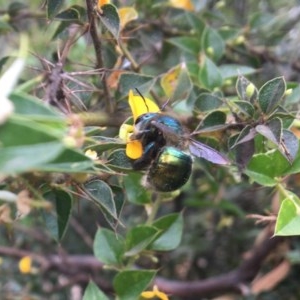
(102, 2)
(25, 265)
(154, 293)
(184, 4)
(139, 106)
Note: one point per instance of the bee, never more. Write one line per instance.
(167, 151)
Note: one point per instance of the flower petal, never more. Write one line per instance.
(140, 106)
(159, 294)
(124, 132)
(102, 2)
(25, 264)
(184, 4)
(148, 294)
(134, 149)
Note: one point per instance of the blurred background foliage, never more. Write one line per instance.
(67, 68)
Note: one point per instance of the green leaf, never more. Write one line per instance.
(243, 144)
(271, 130)
(245, 108)
(33, 107)
(69, 161)
(21, 152)
(213, 119)
(138, 239)
(289, 145)
(171, 227)
(104, 143)
(209, 75)
(72, 14)
(129, 81)
(266, 168)
(288, 219)
(183, 87)
(234, 70)
(108, 247)
(92, 292)
(25, 158)
(101, 195)
(134, 191)
(270, 95)
(119, 160)
(53, 7)
(12, 133)
(131, 283)
(57, 222)
(188, 44)
(119, 198)
(248, 133)
(110, 18)
(36, 111)
(206, 102)
(212, 43)
(195, 22)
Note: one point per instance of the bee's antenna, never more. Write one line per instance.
(142, 98)
(165, 104)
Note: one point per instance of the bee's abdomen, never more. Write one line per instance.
(170, 170)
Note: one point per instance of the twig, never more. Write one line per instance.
(88, 267)
(98, 51)
(234, 281)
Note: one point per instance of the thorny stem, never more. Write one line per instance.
(98, 51)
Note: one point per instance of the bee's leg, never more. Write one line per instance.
(139, 135)
(149, 153)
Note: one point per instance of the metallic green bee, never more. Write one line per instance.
(167, 151)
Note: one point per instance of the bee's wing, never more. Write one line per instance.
(203, 151)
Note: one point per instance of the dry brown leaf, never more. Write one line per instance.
(23, 203)
(268, 281)
(5, 214)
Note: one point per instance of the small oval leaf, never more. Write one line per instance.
(53, 7)
(138, 238)
(92, 292)
(212, 43)
(171, 227)
(101, 194)
(209, 75)
(129, 284)
(206, 102)
(110, 18)
(108, 247)
(57, 221)
(288, 219)
(270, 94)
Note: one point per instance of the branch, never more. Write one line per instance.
(88, 267)
(98, 51)
(234, 281)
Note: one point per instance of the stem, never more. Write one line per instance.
(128, 55)
(282, 190)
(98, 51)
(154, 209)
